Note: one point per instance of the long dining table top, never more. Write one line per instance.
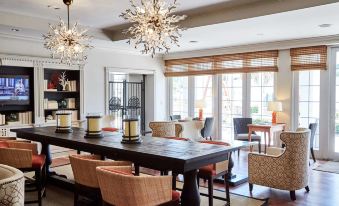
(155, 153)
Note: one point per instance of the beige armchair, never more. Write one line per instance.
(12, 186)
(287, 171)
(165, 129)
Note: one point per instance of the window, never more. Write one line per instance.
(232, 97)
(180, 96)
(203, 95)
(262, 92)
(309, 100)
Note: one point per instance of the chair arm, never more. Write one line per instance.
(275, 151)
(262, 167)
(24, 145)
(18, 158)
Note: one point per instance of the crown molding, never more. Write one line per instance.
(276, 45)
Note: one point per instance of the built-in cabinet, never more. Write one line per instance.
(46, 69)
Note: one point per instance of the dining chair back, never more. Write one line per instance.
(175, 117)
(207, 131)
(313, 127)
(240, 125)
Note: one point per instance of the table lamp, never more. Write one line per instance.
(200, 104)
(274, 107)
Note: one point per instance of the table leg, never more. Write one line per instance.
(269, 138)
(250, 137)
(46, 151)
(234, 179)
(190, 193)
(265, 141)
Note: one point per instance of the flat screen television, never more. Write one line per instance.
(14, 90)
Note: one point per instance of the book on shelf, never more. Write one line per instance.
(24, 117)
(2, 119)
(70, 103)
(50, 104)
(73, 85)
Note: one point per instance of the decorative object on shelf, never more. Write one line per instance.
(63, 122)
(67, 43)
(200, 104)
(94, 125)
(114, 104)
(274, 107)
(131, 129)
(12, 117)
(68, 86)
(50, 85)
(63, 81)
(62, 104)
(49, 117)
(153, 26)
(133, 102)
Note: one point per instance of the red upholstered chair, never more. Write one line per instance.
(24, 156)
(120, 188)
(110, 129)
(213, 171)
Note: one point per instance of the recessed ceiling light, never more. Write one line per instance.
(325, 25)
(260, 34)
(15, 29)
(53, 7)
(193, 41)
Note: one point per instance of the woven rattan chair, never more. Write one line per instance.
(165, 129)
(86, 182)
(213, 171)
(120, 188)
(12, 186)
(24, 156)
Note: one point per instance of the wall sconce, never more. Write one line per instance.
(64, 122)
(94, 125)
(131, 131)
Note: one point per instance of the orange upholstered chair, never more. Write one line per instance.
(120, 188)
(213, 171)
(84, 170)
(24, 156)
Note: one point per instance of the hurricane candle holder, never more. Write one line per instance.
(131, 131)
(63, 122)
(94, 126)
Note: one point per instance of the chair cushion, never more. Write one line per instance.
(207, 170)
(4, 144)
(109, 129)
(38, 161)
(245, 137)
(175, 195)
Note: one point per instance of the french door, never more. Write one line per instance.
(333, 146)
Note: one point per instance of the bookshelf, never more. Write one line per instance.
(58, 98)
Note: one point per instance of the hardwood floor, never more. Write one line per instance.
(324, 187)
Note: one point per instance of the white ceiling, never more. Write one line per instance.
(290, 25)
(297, 24)
(92, 13)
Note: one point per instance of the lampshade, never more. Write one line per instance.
(275, 106)
(200, 104)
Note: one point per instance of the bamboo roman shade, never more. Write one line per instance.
(309, 58)
(228, 63)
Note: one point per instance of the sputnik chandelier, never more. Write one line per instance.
(68, 44)
(153, 25)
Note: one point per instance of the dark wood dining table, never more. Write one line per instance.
(181, 157)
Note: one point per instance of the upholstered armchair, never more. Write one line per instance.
(24, 156)
(285, 171)
(165, 129)
(84, 170)
(12, 186)
(120, 188)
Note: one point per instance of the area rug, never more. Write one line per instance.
(332, 167)
(219, 195)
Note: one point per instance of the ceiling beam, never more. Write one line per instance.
(223, 12)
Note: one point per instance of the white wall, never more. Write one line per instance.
(94, 71)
